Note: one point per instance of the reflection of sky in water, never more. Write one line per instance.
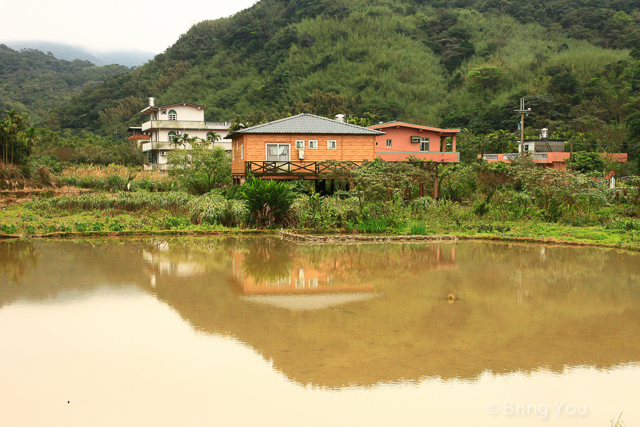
(165, 335)
(124, 358)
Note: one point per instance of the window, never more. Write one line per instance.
(526, 147)
(388, 143)
(173, 115)
(233, 152)
(313, 144)
(332, 144)
(242, 152)
(313, 282)
(424, 144)
(171, 135)
(300, 144)
(164, 111)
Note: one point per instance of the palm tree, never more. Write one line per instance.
(213, 136)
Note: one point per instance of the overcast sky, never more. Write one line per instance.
(109, 24)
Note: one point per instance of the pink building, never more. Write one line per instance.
(553, 160)
(402, 140)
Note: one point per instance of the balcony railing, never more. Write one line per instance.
(158, 145)
(513, 156)
(296, 168)
(184, 124)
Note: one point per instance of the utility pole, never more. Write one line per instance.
(522, 112)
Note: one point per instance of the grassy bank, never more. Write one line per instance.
(145, 213)
(520, 202)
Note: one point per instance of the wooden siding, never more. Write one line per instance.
(349, 147)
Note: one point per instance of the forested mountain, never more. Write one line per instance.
(459, 63)
(34, 82)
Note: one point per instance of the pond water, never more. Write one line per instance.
(260, 331)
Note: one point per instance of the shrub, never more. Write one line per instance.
(201, 169)
(268, 201)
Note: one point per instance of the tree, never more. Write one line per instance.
(486, 77)
(200, 168)
(17, 137)
(587, 163)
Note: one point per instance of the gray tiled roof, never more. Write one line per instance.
(308, 123)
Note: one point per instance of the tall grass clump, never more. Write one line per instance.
(130, 202)
(418, 228)
(215, 209)
(17, 177)
(628, 224)
(372, 226)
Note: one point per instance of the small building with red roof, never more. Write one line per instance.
(403, 140)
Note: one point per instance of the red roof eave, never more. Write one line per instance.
(409, 125)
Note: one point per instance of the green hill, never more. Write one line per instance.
(461, 63)
(34, 82)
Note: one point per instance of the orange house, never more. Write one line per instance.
(294, 147)
(402, 140)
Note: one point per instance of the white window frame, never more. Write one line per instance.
(233, 152)
(425, 141)
(335, 144)
(242, 152)
(173, 117)
(299, 144)
(313, 142)
(389, 142)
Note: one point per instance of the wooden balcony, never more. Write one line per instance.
(295, 169)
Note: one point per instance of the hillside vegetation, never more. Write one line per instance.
(457, 64)
(35, 82)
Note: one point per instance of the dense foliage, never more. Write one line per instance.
(201, 168)
(17, 138)
(35, 82)
(454, 64)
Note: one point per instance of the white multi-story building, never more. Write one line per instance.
(177, 120)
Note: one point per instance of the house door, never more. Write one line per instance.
(279, 154)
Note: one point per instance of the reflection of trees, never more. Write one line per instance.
(582, 305)
(17, 258)
(268, 260)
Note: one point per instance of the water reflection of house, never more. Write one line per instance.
(298, 284)
(445, 257)
(159, 261)
(299, 277)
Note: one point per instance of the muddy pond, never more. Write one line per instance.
(264, 332)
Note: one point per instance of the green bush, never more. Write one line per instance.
(268, 201)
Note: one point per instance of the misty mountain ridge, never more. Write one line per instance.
(129, 58)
